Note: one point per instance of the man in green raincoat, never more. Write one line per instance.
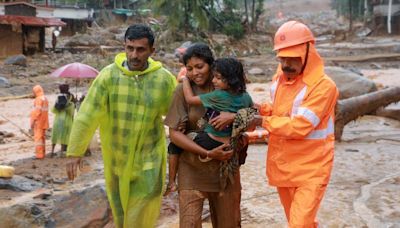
(127, 100)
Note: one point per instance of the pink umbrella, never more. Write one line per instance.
(77, 71)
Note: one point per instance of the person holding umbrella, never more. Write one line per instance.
(76, 71)
(63, 109)
(127, 100)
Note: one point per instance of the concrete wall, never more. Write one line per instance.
(71, 13)
(44, 13)
(10, 42)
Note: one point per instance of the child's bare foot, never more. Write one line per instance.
(171, 187)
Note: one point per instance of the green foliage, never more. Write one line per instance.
(199, 15)
(186, 14)
(234, 29)
(227, 21)
(355, 8)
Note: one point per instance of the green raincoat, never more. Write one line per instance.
(127, 106)
(62, 124)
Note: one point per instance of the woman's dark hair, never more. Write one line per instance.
(139, 31)
(64, 88)
(232, 73)
(201, 51)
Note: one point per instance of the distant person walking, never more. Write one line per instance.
(40, 121)
(54, 36)
(63, 109)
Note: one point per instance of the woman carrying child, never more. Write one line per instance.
(199, 163)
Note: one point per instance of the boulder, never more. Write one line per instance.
(19, 60)
(19, 183)
(87, 208)
(21, 216)
(349, 83)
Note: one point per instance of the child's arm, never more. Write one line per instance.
(188, 92)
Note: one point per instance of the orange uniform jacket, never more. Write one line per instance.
(40, 109)
(301, 126)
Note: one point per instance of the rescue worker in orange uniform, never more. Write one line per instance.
(300, 121)
(40, 121)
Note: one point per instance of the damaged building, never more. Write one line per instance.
(22, 31)
(387, 15)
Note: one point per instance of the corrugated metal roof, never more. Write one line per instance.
(32, 21)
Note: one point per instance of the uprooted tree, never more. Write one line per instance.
(351, 108)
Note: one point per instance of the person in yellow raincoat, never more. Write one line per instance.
(64, 115)
(300, 121)
(127, 100)
(39, 121)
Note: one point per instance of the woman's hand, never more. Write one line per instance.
(219, 153)
(256, 122)
(222, 121)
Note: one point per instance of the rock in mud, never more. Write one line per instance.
(349, 83)
(6, 134)
(19, 60)
(87, 208)
(4, 82)
(19, 183)
(21, 216)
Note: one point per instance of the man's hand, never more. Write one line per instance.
(219, 153)
(222, 121)
(72, 167)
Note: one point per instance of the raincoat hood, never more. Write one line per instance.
(121, 58)
(314, 69)
(38, 91)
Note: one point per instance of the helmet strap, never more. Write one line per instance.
(306, 58)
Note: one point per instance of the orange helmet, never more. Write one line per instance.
(292, 33)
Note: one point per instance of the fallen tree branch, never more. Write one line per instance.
(16, 97)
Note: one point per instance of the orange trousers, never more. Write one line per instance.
(301, 204)
(39, 136)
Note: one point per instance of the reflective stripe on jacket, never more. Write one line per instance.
(301, 126)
